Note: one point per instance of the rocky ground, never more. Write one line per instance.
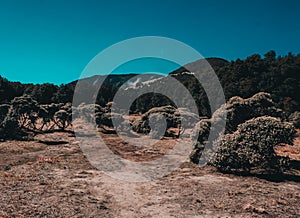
(50, 177)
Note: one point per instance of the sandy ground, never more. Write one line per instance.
(50, 177)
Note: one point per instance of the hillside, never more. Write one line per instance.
(277, 75)
(52, 162)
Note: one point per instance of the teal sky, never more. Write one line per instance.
(53, 40)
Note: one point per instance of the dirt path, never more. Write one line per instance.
(58, 181)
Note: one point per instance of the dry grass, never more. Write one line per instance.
(58, 181)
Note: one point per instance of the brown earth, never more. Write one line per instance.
(50, 177)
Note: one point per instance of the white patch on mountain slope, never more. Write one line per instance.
(145, 83)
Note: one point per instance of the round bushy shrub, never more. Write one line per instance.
(184, 114)
(108, 118)
(173, 117)
(238, 111)
(21, 115)
(252, 145)
(10, 128)
(142, 125)
(125, 128)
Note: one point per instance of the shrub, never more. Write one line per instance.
(3, 111)
(252, 145)
(124, 128)
(10, 128)
(295, 119)
(203, 129)
(107, 119)
(238, 111)
(26, 109)
(88, 112)
(21, 116)
(183, 113)
(142, 125)
(172, 116)
(62, 119)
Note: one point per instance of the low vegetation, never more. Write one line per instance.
(251, 146)
(24, 117)
(254, 124)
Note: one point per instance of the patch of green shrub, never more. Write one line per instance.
(252, 145)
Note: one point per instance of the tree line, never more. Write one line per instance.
(277, 75)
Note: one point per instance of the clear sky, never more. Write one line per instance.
(53, 40)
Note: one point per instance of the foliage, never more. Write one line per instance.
(295, 119)
(108, 118)
(3, 111)
(174, 117)
(62, 119)
(25, 109)
(252, 145)
(24, 116)
(21, 114)
(238, 111)
(278, 76)
(142, 125)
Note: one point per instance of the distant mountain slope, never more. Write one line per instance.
(194, 66)
(279, 76)
(108, 85)
(118, 79)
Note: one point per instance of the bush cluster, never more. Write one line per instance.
(252, 145)
(173, 117)
(253, 128)
(24, 115)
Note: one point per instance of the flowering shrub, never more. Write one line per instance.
(173, 117)
(24, 115)
(250, 134)
(252, 145)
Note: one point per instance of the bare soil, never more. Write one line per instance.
(50, 177)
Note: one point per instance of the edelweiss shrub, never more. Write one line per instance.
(252, 145)
(184, 114)
(21, 114)
(10, 128)
(107, 119)
(88, 112)
(142, 125)
(124, 128)
(173, 117)
(62, 119)
(3, 111)
(295, 119)
(55, 115)
(25, 117)
(238, 111)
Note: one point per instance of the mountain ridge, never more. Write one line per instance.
(279, 76)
